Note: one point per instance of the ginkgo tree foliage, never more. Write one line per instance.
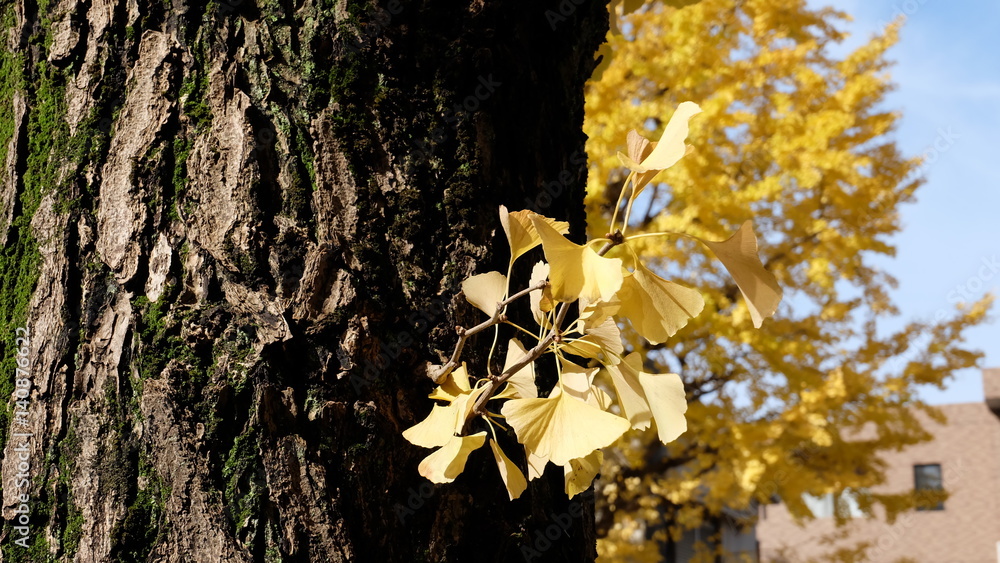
(800, 141)
(608, 281)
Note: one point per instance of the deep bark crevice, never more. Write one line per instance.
(241, 337)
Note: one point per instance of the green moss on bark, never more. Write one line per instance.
(244, 481)
(72, 516)
(20, 260)
(145, 523)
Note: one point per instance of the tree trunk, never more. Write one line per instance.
(236, 234)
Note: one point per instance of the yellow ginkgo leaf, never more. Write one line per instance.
(578, 382)
(512, 476)
(632, 165)
(580, 472)
(454, 385)
(665, 393)
(597, 312)
(583, 347)
(435, 430)
(536, 464)
(657, 308)
(576, 270)
(631, 397)
(602, 342)
(540, 301)
(464, 404)
(638, 149)
(521, 385)
(758, 286)
(484, 291)
(670, 147)
(560, 427)
(448, 462)
(607, 336)
(444, 421)
(521, 231)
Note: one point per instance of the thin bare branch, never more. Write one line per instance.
(464, 334)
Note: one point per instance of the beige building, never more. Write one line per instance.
(963, 457)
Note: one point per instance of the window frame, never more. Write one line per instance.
(924, 482)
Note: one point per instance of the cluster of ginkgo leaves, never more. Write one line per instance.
(577, 418)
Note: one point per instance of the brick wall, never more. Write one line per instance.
(966, 531)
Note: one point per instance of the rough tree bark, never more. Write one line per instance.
(236, 233)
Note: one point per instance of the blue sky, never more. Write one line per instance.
(947, 77)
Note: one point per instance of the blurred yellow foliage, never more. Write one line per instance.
(795, 139)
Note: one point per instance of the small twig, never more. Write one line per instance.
(478, 409)
(464, 334)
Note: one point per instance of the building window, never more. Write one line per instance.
(928, 485)
(828, 505)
